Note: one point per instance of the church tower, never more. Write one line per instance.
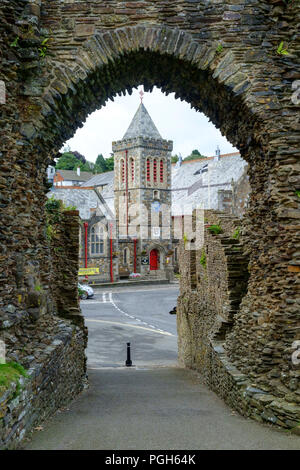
(142, 193)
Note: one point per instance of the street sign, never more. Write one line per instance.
(88, 271)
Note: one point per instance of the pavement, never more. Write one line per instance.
(155, 404)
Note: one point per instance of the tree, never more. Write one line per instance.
(174, 158)
(110, 162)
(72, 160)
(68, 162)
(104, 164)
(194, 155)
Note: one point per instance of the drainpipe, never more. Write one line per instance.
(126, 154)
(85, 243)
(134, 269)
(111, 255)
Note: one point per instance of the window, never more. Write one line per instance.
(96, 240)
(122, 171)
(154, 170)
(132, 169)
(148, 169)
(155, 194)
(126, 256)
(161, 169)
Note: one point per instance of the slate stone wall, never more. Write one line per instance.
(62, 60)
(213, 288)
(56, 376)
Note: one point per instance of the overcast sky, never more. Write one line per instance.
(174, 119)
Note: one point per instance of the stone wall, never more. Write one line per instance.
(213, 287)
(56, 375)
(47, 337)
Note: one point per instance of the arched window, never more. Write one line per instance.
(161, 171)
(96, 240)
(126, 256)
(155, 170)
(122, 176)
(148, 169)
(132, 169)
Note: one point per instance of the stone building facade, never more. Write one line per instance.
(142, 199)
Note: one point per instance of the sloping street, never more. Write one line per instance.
(155, 404)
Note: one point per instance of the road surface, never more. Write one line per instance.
(155, 404)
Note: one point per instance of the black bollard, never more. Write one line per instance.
(128, 362)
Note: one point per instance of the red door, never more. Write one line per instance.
(153, 260)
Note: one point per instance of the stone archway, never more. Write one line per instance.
(223, 61)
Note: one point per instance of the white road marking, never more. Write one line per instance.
(129, 325)
(152, 327)
(110, 300)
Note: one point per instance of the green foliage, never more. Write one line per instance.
(194, 155)
(185, 239)
(280, 49)
(54, 209)
(50, 231)
(73, 160)
(43, 47)
(236, 233)
(103, 165)
(37, 288)
(9, 373)
(297, 193)
(174, 158)
(219, 49)
(68, 208)
(203, 259)
(80, 292)
(215, 229)
(15, 42)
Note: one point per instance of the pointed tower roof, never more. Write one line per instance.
(142, 125)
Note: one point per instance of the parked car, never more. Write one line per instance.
(85, 291)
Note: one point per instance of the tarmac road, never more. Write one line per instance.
(154, 405)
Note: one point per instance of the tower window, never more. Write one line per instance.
(132, 169)
(161, 171)
(155, 194)
(148, 169)
(122, 171)
(126, 256)
(154, 170)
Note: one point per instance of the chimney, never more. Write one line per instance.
(78, 171)
(179, 162)
(217, 157)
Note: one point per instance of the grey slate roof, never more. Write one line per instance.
(83, 200)
(190, 189)
(100, 180)
(142, 126)
(71, 175)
